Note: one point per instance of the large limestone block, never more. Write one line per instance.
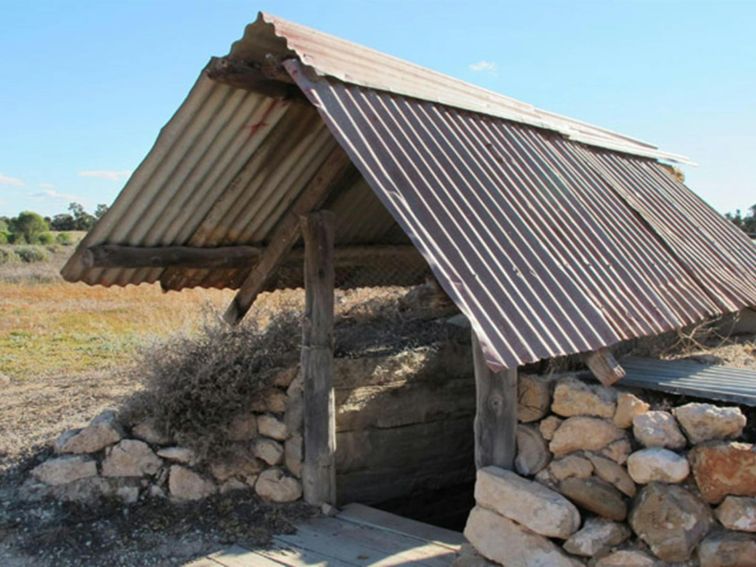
(574, 397)
(657, 465)
(728, 549)
(103, 431)
(628, 406)
(569, 466)
(737, 513)
(528, 503)
(62, 470)
(596, 496)
(611, 472)
(705, 422)
(272, 452)
(270, 426)
(584, 433)
(618, 451)
(130, 458)
(724, 468)
(532, 451)
(671, 520)
(507, 543)
(533, 397)
(274, 485)
(185, 484)
(658, 429)
(596, 537)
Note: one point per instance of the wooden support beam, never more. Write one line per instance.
(242, 75)
(222, 257)
(319, 467)
(286, 233)
(496, 413)
(114, 256)
(604, 366)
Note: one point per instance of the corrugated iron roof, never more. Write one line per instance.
(550, 244)
(689, 378)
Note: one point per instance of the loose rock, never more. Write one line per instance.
(627, 558)
(548, 426)
(570, 466)
(628, 406)
(148, 430)
(658, 429)
(532, 452)
(503, 541)
(737, 513)
(102, 432)
(275, 486)
(533, 397)
(63, 470)
(704, 422)
(724, 468)
(270, 426)
(728, 549)
(573, 397)
(596, 496)
(618, 451)
(584, 433)
(657, 465)
(285, 376)
(242, 428)
(181, 455)
(270, 400)
(596, 538)
(185, 484)
(269, 451)
(130, 458)
(611, 472)
(528, 503)
(686, 520)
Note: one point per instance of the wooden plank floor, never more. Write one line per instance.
(358, 535)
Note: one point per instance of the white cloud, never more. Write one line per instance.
(483, 67)
(110, 174)
(12, 181)
(53, 194)
(46, 186)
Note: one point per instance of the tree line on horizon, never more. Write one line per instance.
(29, 227)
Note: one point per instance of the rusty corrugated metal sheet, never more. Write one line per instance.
(355, 64)
(521, 227)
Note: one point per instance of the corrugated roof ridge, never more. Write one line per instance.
(506, 107)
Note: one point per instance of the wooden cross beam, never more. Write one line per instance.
(286, 233)
(496, 413)
(604, 366)
(242, 75)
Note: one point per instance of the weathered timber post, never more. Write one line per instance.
(319, 470)
(496, 413)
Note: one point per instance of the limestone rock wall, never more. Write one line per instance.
(603, 478)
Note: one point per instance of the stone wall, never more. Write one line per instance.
(392, 410)
(602, 478)
(132, 461)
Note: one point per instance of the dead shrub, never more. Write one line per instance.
(195, 385)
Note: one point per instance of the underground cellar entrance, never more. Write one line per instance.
(404, 427)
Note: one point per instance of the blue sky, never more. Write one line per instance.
(86, 86)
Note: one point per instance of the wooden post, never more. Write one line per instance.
(604, 366)
(319, 469)
(496, 413)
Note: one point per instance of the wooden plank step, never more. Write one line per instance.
(368, 516)
(367, 545)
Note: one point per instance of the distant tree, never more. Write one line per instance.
(82, 219)
(100, 211)
(27, 227)
(62, 222)
(745, 222)
(4, 224)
